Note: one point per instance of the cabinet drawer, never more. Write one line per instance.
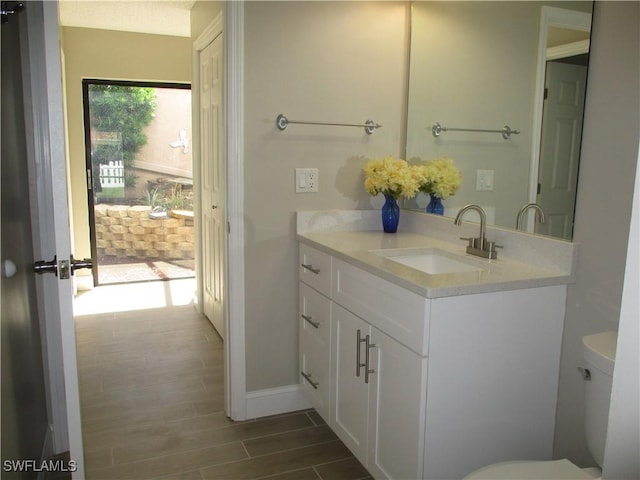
(315, 269)
(315, 349)
(315, 315)
(399, 313)
(315, 374)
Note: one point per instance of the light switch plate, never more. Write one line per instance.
(306, 180)
(484, 180)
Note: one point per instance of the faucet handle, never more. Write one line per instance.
(491, 246)
(471, 240)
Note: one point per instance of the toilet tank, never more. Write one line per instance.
(599, 352)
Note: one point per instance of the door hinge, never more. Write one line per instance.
(228, 227)
(539, 187)
(89, 180)
(6, 10)
(546, 93)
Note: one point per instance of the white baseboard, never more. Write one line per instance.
(273, 401)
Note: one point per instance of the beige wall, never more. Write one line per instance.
(106, 54)
(605, 195)
(322, 61)
(172, 114)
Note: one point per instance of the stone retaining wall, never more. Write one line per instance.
(124, 231)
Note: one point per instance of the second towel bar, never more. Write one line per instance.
(369, 126)
(506, 131)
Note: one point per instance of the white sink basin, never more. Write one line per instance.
(432, 261)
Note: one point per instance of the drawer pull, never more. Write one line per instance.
(307, 377)
(368, 370)
(308, 319)
(311, 269)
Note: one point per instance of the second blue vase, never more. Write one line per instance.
(435, 205)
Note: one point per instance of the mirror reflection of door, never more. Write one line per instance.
(565, 84)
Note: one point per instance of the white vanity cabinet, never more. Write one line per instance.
(431, 388)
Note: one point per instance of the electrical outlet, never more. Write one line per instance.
(484, 180)
(306, 180)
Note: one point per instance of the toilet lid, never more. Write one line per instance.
(552, 470)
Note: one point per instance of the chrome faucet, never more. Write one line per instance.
(479, 246)
(525, 207)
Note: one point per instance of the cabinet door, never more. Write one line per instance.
(396, 409)
(315, 324)
(350, 406)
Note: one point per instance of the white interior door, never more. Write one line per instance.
(213, 180)
(42, 83)
(560, 147)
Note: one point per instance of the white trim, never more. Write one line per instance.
(273, 401)
(208, 35)
(557, 17)
(235, 385)
(568, 50)
(231, 21)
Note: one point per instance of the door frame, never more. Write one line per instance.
(229, 21)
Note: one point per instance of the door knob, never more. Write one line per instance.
(78, 264)
(64, 267)
(51, 266)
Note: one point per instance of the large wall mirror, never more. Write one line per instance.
(484, 65)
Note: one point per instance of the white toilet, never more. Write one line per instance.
(599, 353)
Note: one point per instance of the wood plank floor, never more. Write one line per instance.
(151, 386)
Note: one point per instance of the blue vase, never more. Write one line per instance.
(435, 205)
(390, 214)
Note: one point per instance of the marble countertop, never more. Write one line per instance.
(501, 274)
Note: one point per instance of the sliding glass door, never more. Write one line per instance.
(140, 181)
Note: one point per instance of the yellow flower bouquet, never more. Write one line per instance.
(390, 176)
(439, 177)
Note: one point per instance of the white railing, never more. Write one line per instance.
(112, 175)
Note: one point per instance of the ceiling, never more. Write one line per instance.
(162, 17)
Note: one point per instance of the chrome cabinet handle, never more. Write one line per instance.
(308, 319)
(359, 340)
(368, 370)
(310, 268)
(307, 377)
